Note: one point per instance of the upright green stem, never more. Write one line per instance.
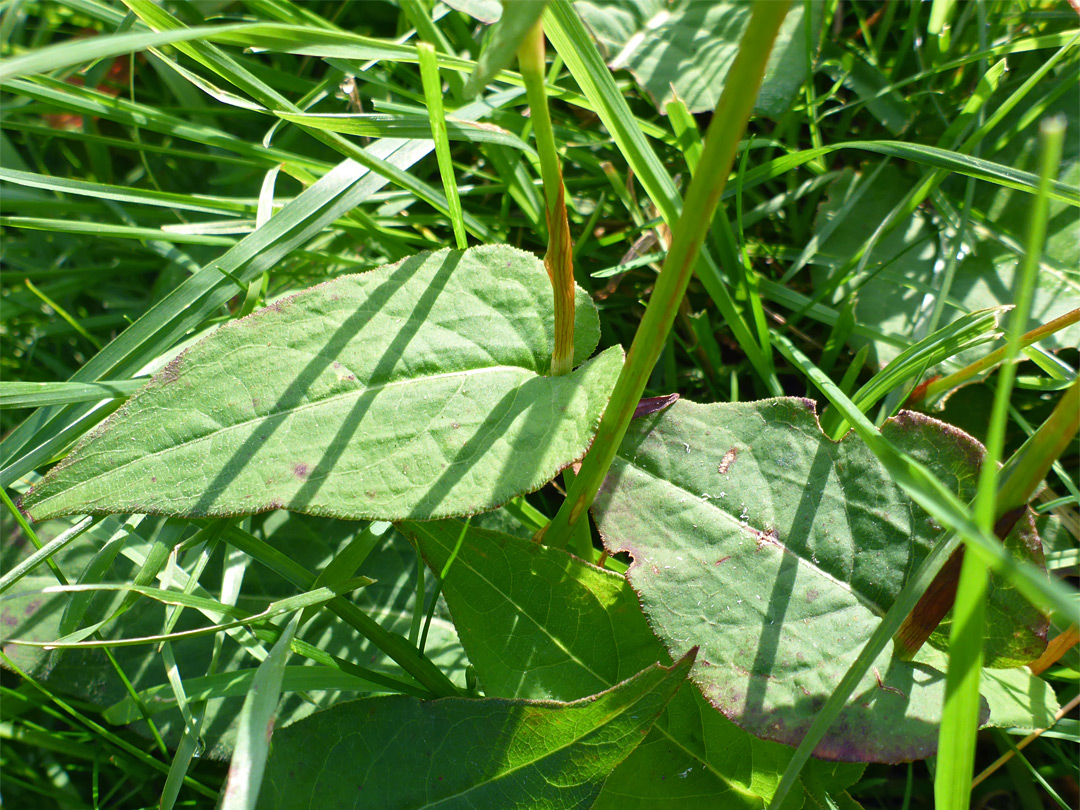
(559, 259)
(728, 124)
(960, 717)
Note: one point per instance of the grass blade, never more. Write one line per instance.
(256, 726)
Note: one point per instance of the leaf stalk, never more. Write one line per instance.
(559, 259)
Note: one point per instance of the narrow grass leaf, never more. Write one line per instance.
(138, 196)
(45, 553)
(968, 332)
(248, 762)
(318, 596)
(381, 125)
(979, 168)
(238, 683)
(102, 46)
(959, 726)
(439, 128)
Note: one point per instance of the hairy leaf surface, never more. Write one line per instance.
(414, 390)
(778, 551)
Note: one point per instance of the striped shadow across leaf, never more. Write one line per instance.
(416, 390)
(777, 552)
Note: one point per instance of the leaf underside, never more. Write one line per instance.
(778, 551)
(414, 390)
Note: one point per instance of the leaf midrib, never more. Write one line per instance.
(285, 412)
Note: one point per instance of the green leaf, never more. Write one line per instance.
(486, 11)
(686, 48)
(403, 392)
(62, 54)
(404, 126)
(402, 752)
(894, 299)
(540, 623)
(255, 726)
(867, 82)
(778, 552)
(1018, 699)
(1015, 697)
(187, 306)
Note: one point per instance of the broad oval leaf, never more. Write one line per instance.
(778, 551)
(414, 390)
(403, 752)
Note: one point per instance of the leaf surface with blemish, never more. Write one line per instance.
(778, 551)
(415, 390)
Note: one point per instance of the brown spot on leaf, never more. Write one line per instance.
(301, 470)
(722, 560)
(812, 594)
(727, 461)
(172, 370)
(766, 538)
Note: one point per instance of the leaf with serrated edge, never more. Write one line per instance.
(403, 752)
(778, 551)
(414, 390)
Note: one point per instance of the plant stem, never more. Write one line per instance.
(729, 122)
(559, 259)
